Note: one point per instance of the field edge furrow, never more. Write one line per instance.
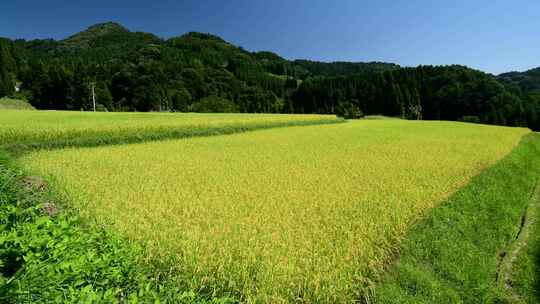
(505, 273)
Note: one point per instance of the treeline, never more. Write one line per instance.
(132, 71)
(8, 67)
(425, 92)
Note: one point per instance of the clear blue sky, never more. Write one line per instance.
(491, 35)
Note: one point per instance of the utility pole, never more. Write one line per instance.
(93, 84)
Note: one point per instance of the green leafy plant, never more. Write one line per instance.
(349, 110)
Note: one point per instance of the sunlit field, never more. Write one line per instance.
(46, 129)
(283, 215)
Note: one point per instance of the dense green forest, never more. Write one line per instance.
(134, 71)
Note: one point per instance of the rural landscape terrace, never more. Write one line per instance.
(141, 169)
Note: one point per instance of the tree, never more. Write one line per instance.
(6, 83)
(214, 104)
(7, 69)
(180, 100)
(103, 97)
(348, 110)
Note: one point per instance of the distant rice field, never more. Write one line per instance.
(53, 129)
(301, 214)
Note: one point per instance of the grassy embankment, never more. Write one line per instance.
(524, 276)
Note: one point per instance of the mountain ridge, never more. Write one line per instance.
(112, 27)
(94, 35)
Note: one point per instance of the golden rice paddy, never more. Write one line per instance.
(298, 214)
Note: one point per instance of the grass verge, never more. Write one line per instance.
(49, 256)
(453, 255)
(525, 275)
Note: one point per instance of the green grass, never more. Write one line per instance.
(296, 214)
(452, 256)
(14, 104)
(26, 130)
(525, 278)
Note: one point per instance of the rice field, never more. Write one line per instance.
(21, 130)
(299, 214)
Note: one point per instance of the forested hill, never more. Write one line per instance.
(204, 73)
(527, 81)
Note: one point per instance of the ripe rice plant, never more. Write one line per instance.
(305, 214)
(21, 130)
